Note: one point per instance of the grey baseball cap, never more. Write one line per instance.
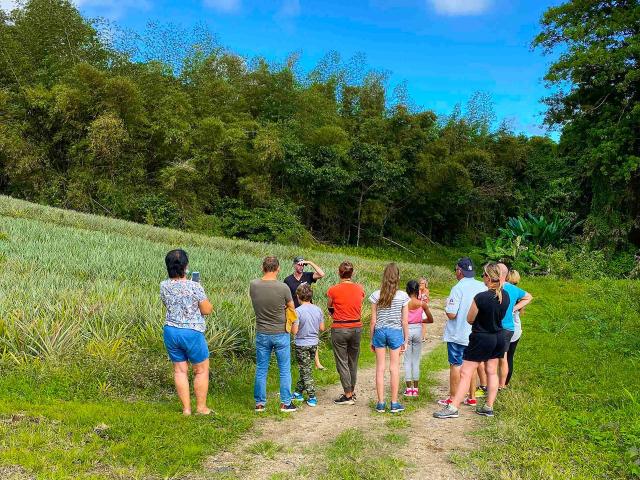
(466, 265)
(298, 259)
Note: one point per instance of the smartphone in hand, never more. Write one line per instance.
(195, 276)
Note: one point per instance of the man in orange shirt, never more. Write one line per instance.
(345, 306)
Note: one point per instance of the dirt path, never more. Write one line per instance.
(310, 428)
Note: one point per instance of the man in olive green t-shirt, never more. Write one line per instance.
(270, 297)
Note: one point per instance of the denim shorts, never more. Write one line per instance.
(185, 344)
(455, 352)
(388, 337)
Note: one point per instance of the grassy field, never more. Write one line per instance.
(85, 386)
(573, 409)
(86, 390)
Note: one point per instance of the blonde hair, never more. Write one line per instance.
(513, 277)
(389, 287)
(426, 282)
(492, 272)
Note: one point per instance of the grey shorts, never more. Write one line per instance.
(508, 335)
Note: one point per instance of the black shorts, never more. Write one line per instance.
(508, 335)
(484, 346)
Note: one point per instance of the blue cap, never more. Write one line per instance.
(466, 265)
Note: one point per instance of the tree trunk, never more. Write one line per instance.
(359, 217)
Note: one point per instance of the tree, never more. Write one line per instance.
(596, 79)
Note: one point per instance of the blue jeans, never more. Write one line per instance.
(281, 343)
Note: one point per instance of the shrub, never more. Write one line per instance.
(578, 263)
(276, 222)
(539, 230)
(159, 211)
(525, 258)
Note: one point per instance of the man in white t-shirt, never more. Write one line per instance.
(457, 330)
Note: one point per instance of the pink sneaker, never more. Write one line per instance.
(415, 392)
(408, 392)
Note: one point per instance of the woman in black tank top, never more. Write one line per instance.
(486, 342)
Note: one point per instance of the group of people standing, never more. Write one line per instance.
(482, 331)
(482, 335)
(392, 311)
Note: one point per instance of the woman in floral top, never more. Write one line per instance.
(183, 331)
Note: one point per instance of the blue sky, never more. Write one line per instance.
(444, 49)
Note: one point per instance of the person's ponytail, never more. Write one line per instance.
(492, 272)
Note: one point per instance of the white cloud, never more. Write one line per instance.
(225, 6)
(7, 5)
(460, 7)
(289, 8)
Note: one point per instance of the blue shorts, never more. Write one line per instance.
(387, 337)
(185, 344)
(455, 352)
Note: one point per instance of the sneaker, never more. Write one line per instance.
(381, 407)
(297, 397)
(312, 402)
(479, 392)
(444, 402)
(287, 408)
(484, 410)
(415, 392)
(344, 400)
(259, 408)
(446, 412)
(408, 392)
(472, 402)
(396, 408)
(353, 396)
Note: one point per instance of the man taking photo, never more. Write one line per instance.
(297, 278)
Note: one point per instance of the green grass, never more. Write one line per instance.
(573, 411)
(81, 346)
(266, 448)
(356, 456)
(393, 438)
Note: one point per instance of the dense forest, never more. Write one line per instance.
(170, 128)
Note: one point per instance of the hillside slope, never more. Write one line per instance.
(80, 340)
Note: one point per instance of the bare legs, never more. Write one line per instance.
(181, 377)
(454, 380)
(467, 373)
(472, 386)
(394, 370)
(492, 381)
(482, 374)
(200, 385)
(319, 366)
(380, 366)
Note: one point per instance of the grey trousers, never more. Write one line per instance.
(413, 353)
(346, 350)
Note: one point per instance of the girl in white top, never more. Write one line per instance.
(389, 329)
